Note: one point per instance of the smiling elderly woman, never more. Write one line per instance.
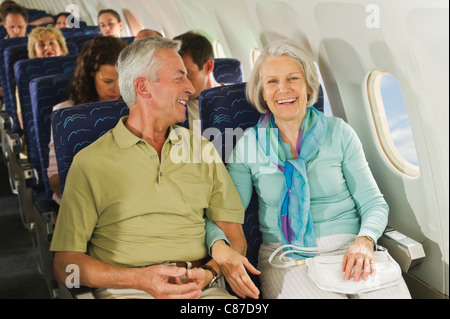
(314, 185)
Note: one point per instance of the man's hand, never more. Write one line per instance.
(165, 282)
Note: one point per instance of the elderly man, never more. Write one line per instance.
(132, 216)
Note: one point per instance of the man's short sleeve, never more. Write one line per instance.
(77, 214)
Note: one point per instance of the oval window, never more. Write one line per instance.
(392, 122)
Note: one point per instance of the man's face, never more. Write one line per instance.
(197, 77)
(15, 25)
(171, 93)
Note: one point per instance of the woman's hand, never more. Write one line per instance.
(233, 266)
(360, 257)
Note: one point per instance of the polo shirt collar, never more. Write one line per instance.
(124, 138)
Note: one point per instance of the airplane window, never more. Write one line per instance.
(391, 121)
(131, 21)
(218, 49)
(255, 53)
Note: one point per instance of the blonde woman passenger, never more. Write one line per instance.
(43, 42)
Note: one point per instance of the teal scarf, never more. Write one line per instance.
(295, 220)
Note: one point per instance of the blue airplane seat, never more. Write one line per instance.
(86, 30)
(320, 100)
(185, 123)
(13, 54)
(79, 40)
(7, 74)
(78, 126)
(225, 108)
(127, 39)
(225, 113)
(25, 71)
(46, 92)
(228, 71)
(72, 48)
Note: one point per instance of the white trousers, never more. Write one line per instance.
(215, 292)
(294, 282)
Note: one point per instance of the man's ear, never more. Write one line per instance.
(209, 66)
(142, 87)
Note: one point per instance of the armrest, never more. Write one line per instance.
(407, 252)
(13, 142)
(5, 121)
(75, 293)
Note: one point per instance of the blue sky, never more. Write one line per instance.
(397, 117)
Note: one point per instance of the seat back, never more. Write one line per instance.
(78, 126)
(46, 92)
(6, 74)
(127, 39)
(228, 70)
(80, 40)
(27, 70)
(82, 30)
(225, 109)
(72, 48)
(225, 113)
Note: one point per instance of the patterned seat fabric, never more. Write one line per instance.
(46, 92)
(78, 126)
(25, 71)
(228, 70)
(7, 80)
(224, 109)
(82, 30)
(79, 40)
(225, 114)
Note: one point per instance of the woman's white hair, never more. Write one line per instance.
(254, 90)
(139, 60)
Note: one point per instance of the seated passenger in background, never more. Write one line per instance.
(15, 19)
(43, 42)
(109, 22)
(144, 33)
(198, 57)
(46, 42)
(6, 4)
(332, 197)
(132, 216)
(95, 79)
(61, 20)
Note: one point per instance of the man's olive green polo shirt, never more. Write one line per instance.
(125, 207)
